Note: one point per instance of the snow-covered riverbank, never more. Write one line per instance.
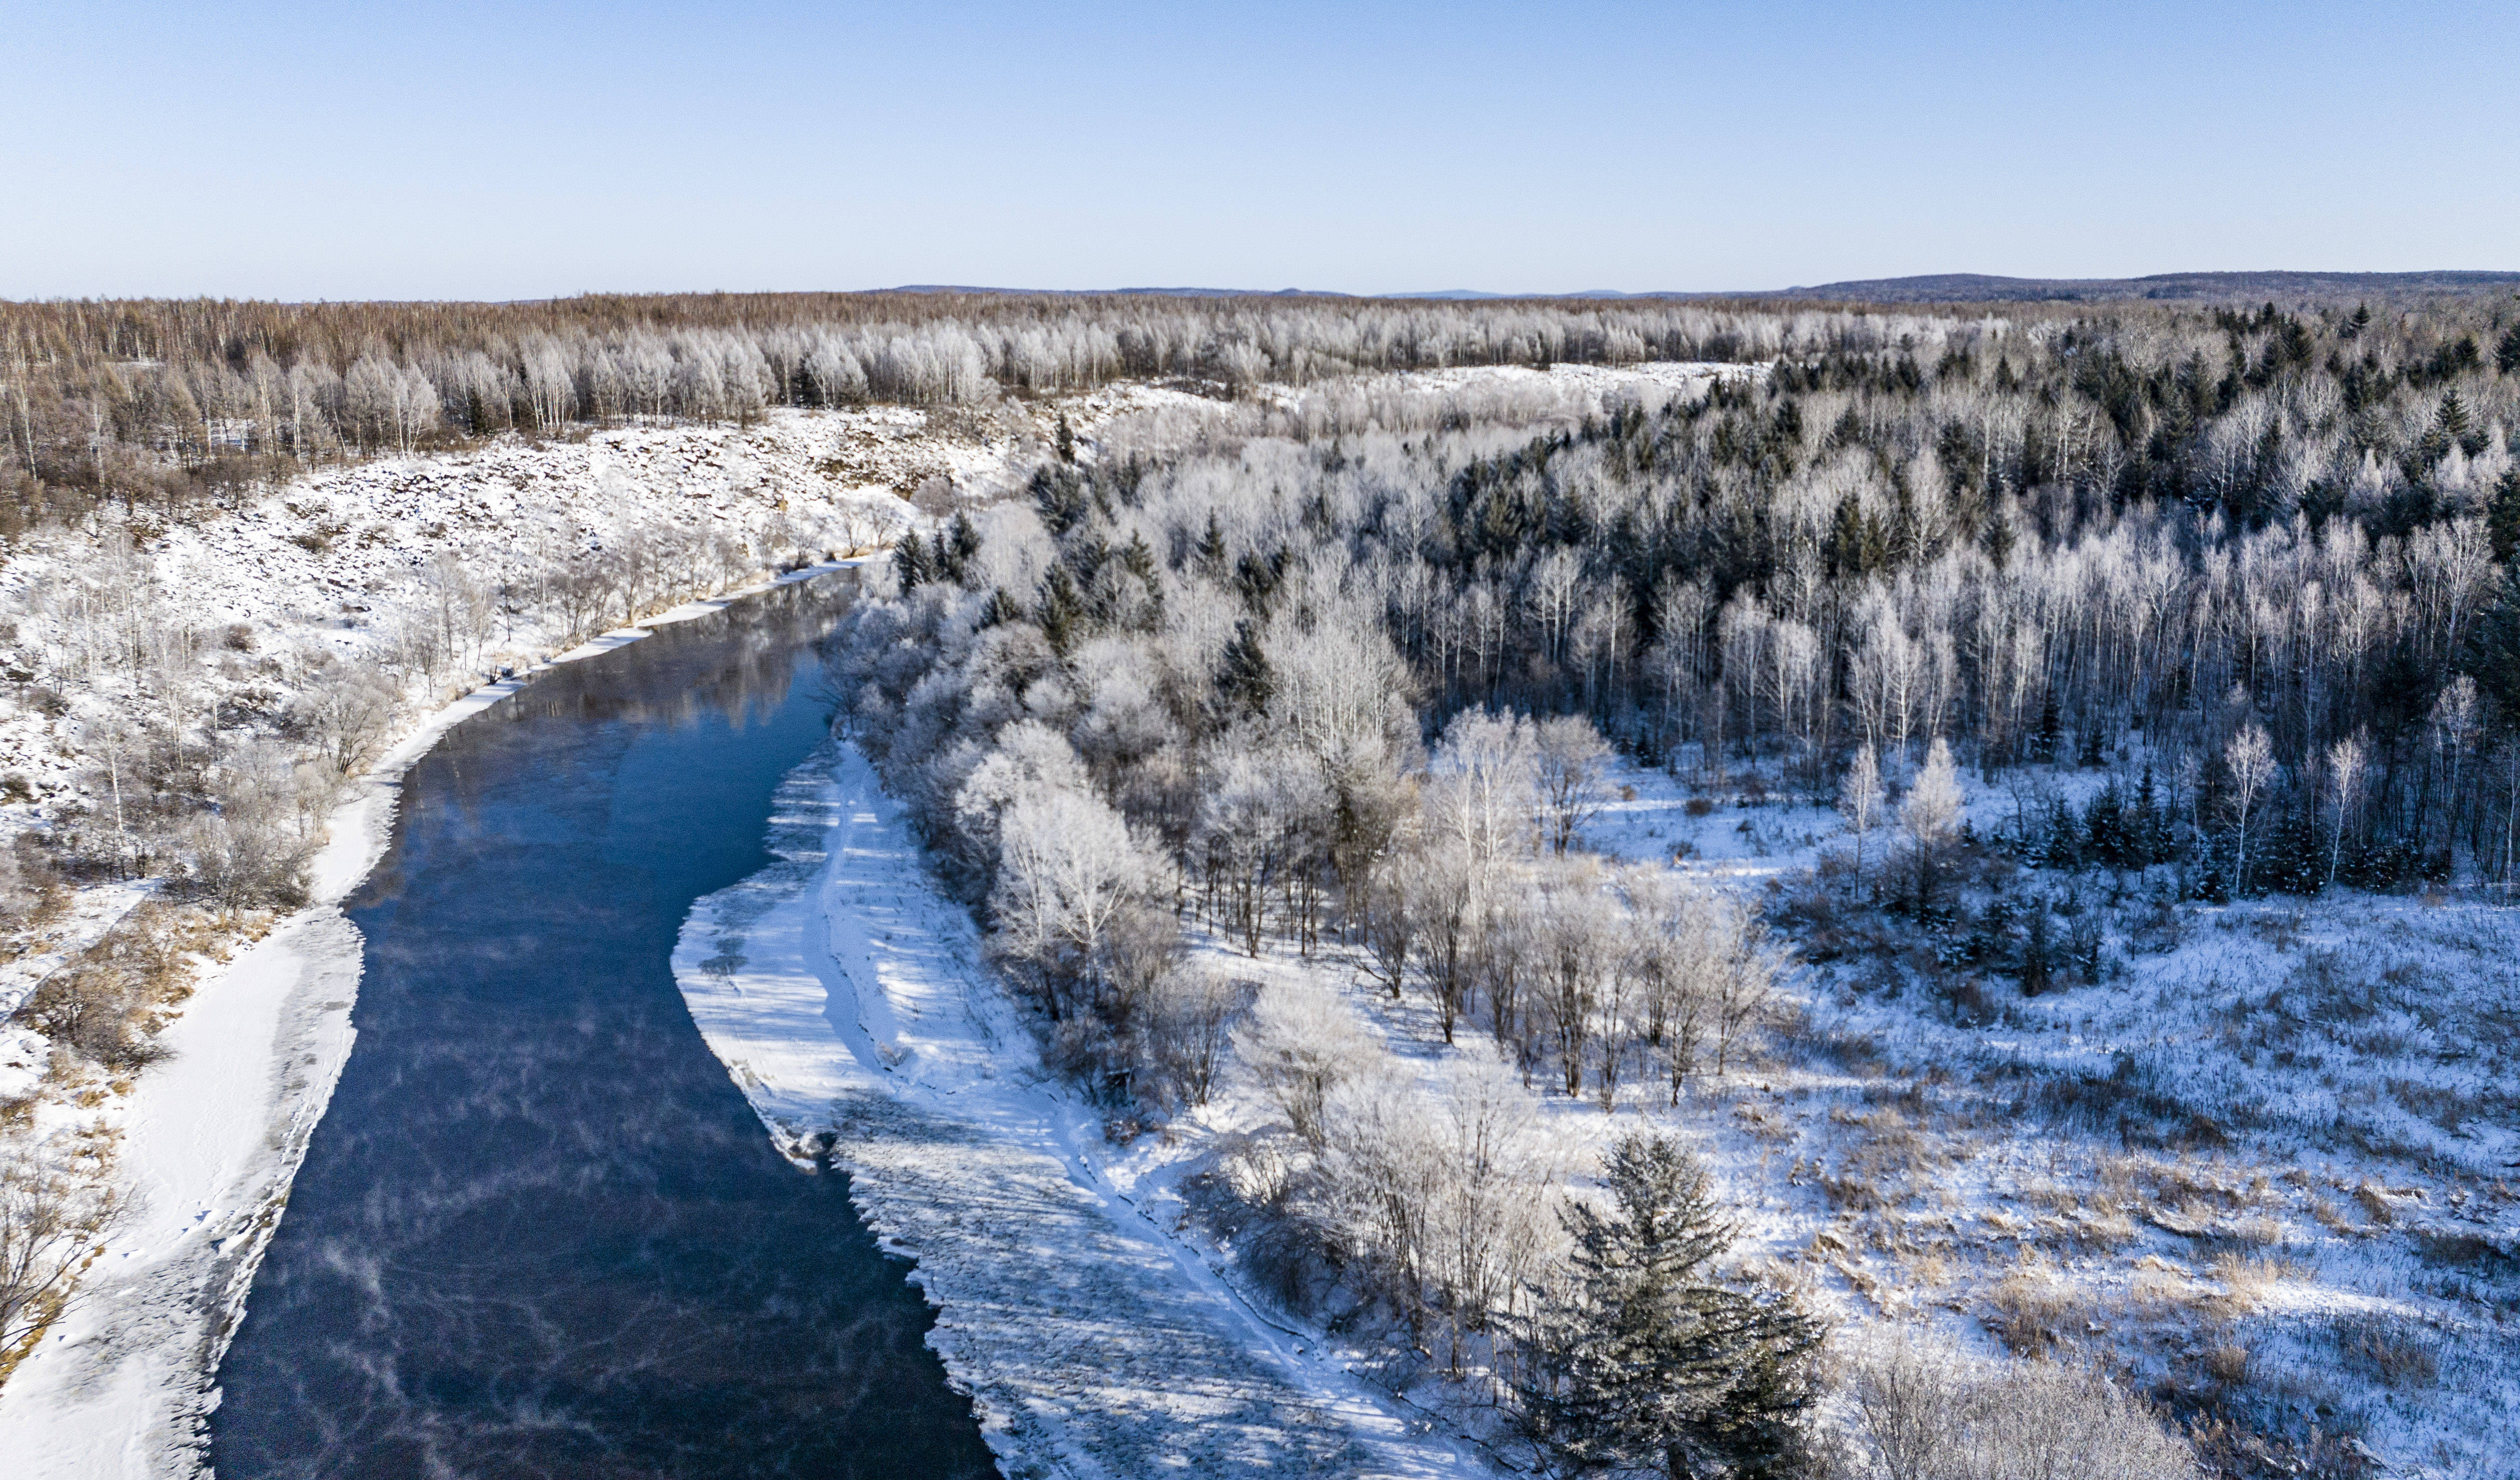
(845, 997)
(121, 1386)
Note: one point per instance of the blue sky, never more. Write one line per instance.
(431, 150)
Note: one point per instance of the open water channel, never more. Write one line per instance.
(539, 1233)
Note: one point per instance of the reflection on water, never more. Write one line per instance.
(539, 1233)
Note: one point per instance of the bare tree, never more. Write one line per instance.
(1859, 800)
(2252, 761)
(1927, 816)
(2344, 767)
(1573, 762)
(51, 1222)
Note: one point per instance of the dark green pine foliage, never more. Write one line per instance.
(2104, 824)
(2502, 516)
(1243, 680)
(2036, 954)
(2050, 732)
(910, 564)
(1650, 1363)
(2492, 654)
(1060, 613)
(962, 542)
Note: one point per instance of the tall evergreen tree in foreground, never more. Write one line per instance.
(1647, 1362)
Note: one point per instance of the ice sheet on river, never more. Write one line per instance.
(844, 997)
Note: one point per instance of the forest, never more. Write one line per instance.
(1360, 695)
(1340, 671)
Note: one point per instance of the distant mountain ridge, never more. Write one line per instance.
(1980, 288)
(1930, 287)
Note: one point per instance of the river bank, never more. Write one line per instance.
(121, 1386)
(846, 999)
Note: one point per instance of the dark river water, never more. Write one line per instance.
(539, 1233)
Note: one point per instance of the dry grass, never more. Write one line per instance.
(2161, 1290)
(2033, 1311)
(2245, 1280)
(2390, 1350)
(1885, 1165)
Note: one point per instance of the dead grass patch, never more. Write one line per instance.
(2033, 1311)
(2390, 1350)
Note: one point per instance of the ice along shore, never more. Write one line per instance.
(846, 998)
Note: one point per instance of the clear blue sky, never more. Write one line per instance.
(433, 150)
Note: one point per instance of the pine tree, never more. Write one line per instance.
(2050, 732)
(1243, 680)
(2148, 840)
(2502, 516)
(2492, 654)
(1647, 1362)
(910, 562)
(2036, 976)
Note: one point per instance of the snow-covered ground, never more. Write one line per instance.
(2269, 1167)
(119, 1388)
(215, 620)
(2269, 1159)
(848, 1000)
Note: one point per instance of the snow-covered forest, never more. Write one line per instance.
(2067, 635)
(1986, 832)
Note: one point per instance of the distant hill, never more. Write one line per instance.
(1979, 287)
(1936, 287)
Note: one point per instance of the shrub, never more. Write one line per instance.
(1923, 1417)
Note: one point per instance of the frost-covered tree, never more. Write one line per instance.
(1859, 800)
(1646, 1358)
(1572, 762)
(2250, 757)
(1927, 815)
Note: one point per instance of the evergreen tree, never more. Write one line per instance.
(2104, 824)
(2148, 839)
(910, 562)
(2492, 654)
(2050, 732)
(2036, 977)
(2502, 516)
(962, 542)
(1243, 680)
(1649, 1362)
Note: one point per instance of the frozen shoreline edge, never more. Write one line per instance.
(122, 1386)
(842, 994)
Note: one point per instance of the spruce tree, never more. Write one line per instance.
(1650, 1363)
(910, 562)
(2036, 976)
(2493, 650)
(2502, 516)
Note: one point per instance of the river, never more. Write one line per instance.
(539, 1233)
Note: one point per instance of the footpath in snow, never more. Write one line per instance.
(846, 998)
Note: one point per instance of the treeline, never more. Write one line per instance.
(161, 401)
